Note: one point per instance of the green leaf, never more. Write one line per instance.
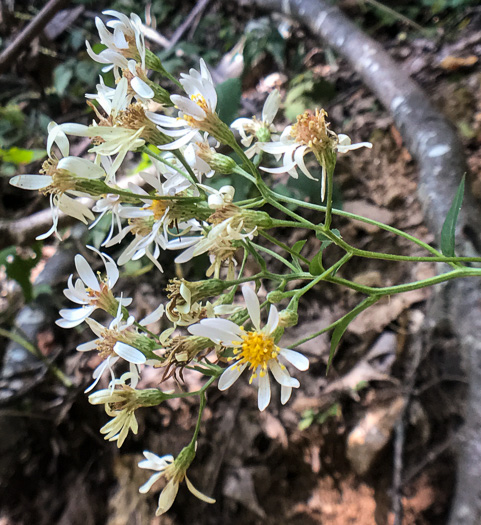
(297, 249)
(344, 323)
(19, 269)
(61, 78)
(228, 99)
(299, 245)
(256, 255)
(448, 232)
(22, 156)
(315, 266)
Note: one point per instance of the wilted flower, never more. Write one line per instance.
(311, 133)
(121, 402)
(255, 350)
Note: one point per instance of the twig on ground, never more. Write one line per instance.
(198, 8)
(25, 37)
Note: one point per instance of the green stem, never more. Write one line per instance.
(284, 247)
(330, 189)
(150, 153)
(275, 255)
(365, 220)
(360, 307)
(322, 276)
(16, 338)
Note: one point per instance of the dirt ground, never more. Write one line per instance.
(328, 455)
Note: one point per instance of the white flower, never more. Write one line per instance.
(261, 130)
(90, 291)
(219, 198)
(118, 340)
(123, 129)
(59, 177)
(127, 39)
(110, 203)
(255, 350)
(120, 404)
(195, 113)
(218, 241)
(175, 472)
(311, 133)
(149, 223)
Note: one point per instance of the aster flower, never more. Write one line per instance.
(196, 113)
(109, 203)
(124, 128)
(311, 133)
(218, 242)
(126, 40)
(59, 177)
(91, 291)
(150, 223)
(255, 350)
(175, 471)
(260, 130)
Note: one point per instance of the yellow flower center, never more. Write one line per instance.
(257, 349)
(313, 131)
(158, 207)
(200, 101)
(105, 345)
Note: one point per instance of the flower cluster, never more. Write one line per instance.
(179, 202)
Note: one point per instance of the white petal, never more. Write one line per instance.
(86, 273)
(167, 497)
(264, 395)
(281, 375)
(295, 358)
(197, 493)
(282, 169)
(252, 303)
(214, 334)
(75, 314)
(299, 159)
(179, 142)
(286, 392)
(148, 485)
(271, 106)
(225, 325)
(81, 167)
(153, 316)
(276, 148)
(86, 347)
(129, 353)
(142, 88)
(230, 376)
(31, 182)
(272, 321)
(188, 106)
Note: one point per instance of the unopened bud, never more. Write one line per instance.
(288, 318)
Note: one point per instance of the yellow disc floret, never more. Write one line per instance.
(159, 208)
(257, 349)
